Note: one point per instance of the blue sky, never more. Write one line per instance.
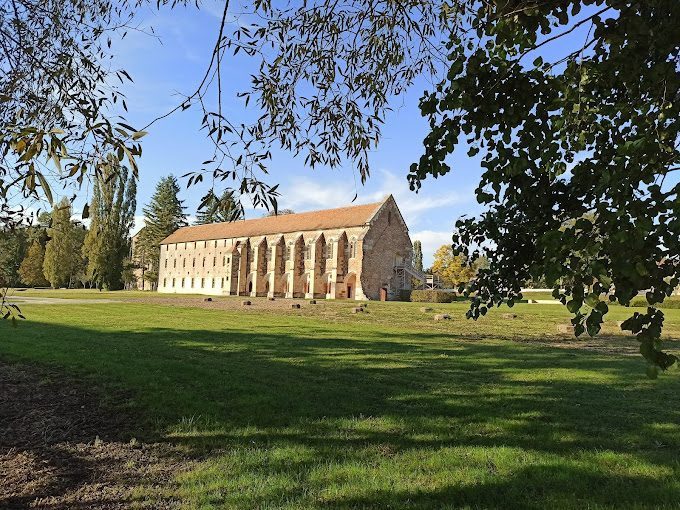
(174, 62)
(162, 68)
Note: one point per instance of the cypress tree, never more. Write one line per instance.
(164, 214)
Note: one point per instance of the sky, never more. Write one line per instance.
(173, 63)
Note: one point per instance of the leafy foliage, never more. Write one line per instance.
(224, 208)
(63, 260)
(432, 296)
(452, 268)
(588, 139)
(12, 251)
(279, 212)
(418, 255)
(112, 212)
(31, 269)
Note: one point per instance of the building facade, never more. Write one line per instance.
(357, 252)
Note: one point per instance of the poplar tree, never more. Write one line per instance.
(31, 268)
(112, 212)
(164, 214)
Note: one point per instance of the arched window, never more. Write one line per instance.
(308, 251)
(353, 248)
(174, 263)
(289, 250)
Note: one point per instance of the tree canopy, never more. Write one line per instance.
(112, 216)
(164, 214)
(63, 260)
(588, 139)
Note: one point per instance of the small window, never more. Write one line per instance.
(214, 261)
(184, 263)
(224, 261)
(173, 283)
(166, 263)
(308, 252)
(174, 263)
(213, 282)
(215, 244)
(194, 245)
(203, 261)
(193, 262)
(182, 282)
(202, 282)
(192, 283)
(289, 251)
(164, 282)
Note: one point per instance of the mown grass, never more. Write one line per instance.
(323, 409)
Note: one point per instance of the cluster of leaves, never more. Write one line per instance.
(327, 72)
(453, 268)
(112, 212)
(579, 153)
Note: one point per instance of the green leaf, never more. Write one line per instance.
(139, 134)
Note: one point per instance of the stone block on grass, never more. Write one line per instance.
(565, 328)
(442, 317)
(246, 303)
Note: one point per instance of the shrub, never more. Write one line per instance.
(432, 296)
(669, 302)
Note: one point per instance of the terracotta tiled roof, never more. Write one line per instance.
(342, 217)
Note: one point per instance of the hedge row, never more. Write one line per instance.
(432, 296)
(669, 302)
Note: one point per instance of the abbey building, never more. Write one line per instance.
(357, 252)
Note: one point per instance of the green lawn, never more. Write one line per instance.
(323, 409)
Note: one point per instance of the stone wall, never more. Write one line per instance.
(385, 245)
(335, 264)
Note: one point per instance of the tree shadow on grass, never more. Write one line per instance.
(372, 399)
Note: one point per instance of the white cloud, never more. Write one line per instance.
(431, 240)
(306, 193)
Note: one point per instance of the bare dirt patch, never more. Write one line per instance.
(61, 448)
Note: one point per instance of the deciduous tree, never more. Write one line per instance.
(31, 269)
(452, 268)
(578, 131)
(62, 253)
(112, 212)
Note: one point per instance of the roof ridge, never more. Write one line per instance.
(322, 219)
